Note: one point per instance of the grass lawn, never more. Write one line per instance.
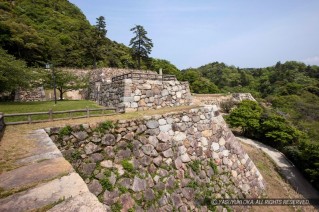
(29, 107)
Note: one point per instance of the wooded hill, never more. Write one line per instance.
(34, 32)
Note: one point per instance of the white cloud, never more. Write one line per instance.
(312, 60)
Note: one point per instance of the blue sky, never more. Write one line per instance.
(192, 33)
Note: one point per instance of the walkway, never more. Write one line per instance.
(26, 188)
(286, 168)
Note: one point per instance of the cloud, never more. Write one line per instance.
(312, 60)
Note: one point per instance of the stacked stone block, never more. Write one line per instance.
(177, 161)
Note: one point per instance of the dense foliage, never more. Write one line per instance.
(271, 128)
(34, 32)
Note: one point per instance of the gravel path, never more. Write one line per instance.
(286, 168)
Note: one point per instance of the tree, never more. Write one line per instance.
(66, 81)
(247, 117)
(13, 73)
(141, 44)
(101, 26)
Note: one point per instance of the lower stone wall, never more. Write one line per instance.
(30, 95)
(172, 162)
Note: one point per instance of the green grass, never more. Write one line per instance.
(45, 106)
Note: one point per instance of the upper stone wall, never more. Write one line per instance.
(218, 99)
(177, 161)
(133, 95)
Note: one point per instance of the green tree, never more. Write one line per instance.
(246, 116)
(141, 44)
(13, 73)
(66, 81)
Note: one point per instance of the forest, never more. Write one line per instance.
(36, 32)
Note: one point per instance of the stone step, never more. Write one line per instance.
(45, 194)
(35, 173)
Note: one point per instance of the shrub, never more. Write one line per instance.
(106, 184)
(227, 106)
(65, 131)
(195, 165)
(103, 126)
(127, 165)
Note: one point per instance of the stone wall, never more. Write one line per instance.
(218, 99)
(173, 162)
(30, 95)
(139, 95)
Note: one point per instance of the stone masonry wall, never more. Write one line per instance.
(30, 95)
(136, 95)
(218, 99)
(173, 162)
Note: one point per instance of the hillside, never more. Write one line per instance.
(289, 96)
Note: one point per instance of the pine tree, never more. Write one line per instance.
(141, 44)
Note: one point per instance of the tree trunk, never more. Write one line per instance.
(61, 94)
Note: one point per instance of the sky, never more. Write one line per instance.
(189, 33)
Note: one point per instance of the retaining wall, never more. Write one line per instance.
(177, 161)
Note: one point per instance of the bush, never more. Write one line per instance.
(65, 131)
(107, 125)
(227, 106)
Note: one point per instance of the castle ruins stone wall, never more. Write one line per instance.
(134, 95)
(172, 161)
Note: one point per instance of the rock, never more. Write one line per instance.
(95, 187)
(178, 163)
(176, 200)
(165, 128)
(109, 152)
(80, 136)
(196, 119)
(108, 140)
(225, 153)
(179, 95)
(185, 158)
(204, 141)
(137, 98)
(164, 92)
(141, 129)
(112, 179)
(182, 150)
(179, 136)
(185, 118)
(110, 197)
(149, 195)
(127, 202)
(148, 149)
(138, 184)
(155, 131)
(225, 161)
(215, 146)
(87, 169)
(222, 141)
(97, 157)
(129, 136)
(163, 201)
(162, 122)
(207, 133)
(152, 124)
(122, 154)
(91, 148)
(153, 141)
(107, 164)
(158, 160)
(163, 136)
(125, 182)
(168, 153)
(145, 160)
(188, 193)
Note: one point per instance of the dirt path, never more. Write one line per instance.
(287, 169)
